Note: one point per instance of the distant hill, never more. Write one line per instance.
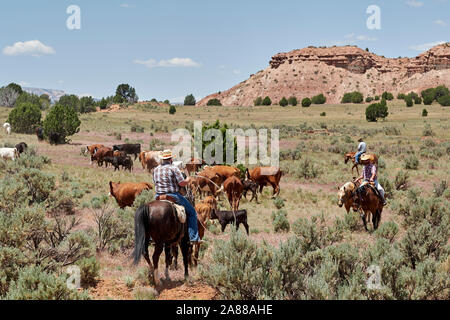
(337, 70)
(53, 94)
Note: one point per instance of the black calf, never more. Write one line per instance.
(226, 217)
(251, 186)
(125, 162)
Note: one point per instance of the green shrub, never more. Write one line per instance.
(431, 93)
(439, 189)
(145, 197)
(307, 169)
(387, 186)
(409, 101)
(401, 180)
(278, 202)
(283, 102)
(293, 101)
(401, 96)
(136, 128)
(266, 101)
(319, 99)
(387, 96)
(417, 100)
(172, 110)
(189, 100)
(444, 101)
(61, 120)
(369, 99)
(351, 221)
(387, 230)
(411, 163)
(280, 222)
(441, 91)
(34, 283)
(258, 101)
(214, 102)
(376, 111)
(424, 113)
(143, 293)
(323, 114)
(89, 271)
(347, 98)
(24, 117)
(427, 131)
(377, 98)
(428, 100)
(306, 102)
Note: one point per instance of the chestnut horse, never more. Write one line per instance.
(366, 199)
(159, 221)
(346, 194)
(351, 155)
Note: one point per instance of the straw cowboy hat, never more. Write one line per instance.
(365, 157)
(166, 154)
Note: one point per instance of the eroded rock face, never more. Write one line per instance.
(334, 71)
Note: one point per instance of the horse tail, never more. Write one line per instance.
(141, 226)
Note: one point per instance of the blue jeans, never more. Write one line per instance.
(191, 215)
(358, 155)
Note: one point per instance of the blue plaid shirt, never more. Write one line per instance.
(167, 178)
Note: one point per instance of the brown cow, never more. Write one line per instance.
(204, 210)
(126, 193)
(233, 187)
(265, 176)
(90, 150)
(101, 153)
(207, 179)
(194, 165)
(150, 159)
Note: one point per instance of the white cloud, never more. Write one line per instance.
(365, 38)
(441, 23)
(414, 3)
(24, 84)
(127, 5)
(174, 62)
(34, 48)
(349, 36)
(426, 46)
(235, 71)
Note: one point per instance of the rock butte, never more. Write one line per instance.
(336, 70)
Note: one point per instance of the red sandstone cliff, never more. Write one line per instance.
(337, 70)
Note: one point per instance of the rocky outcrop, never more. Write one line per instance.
(336, 70)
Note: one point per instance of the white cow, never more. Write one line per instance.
(7, 127)
(9, 153)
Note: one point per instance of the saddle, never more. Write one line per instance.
(363, 185)
(179, 210)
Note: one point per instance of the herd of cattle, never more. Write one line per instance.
(207, 182)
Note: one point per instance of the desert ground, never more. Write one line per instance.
(308, 187)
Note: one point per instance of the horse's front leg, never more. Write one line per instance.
(363, 216)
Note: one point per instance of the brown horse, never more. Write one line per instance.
(351, 155)
(346, 194)
(366, 199)
(159, 221)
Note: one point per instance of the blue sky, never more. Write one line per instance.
(168, 49)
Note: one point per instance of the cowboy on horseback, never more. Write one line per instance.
(362, 147)
(168, 179)
(369, 175)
